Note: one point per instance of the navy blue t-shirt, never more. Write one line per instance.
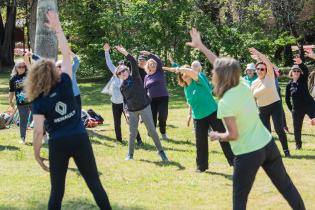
(60, 109)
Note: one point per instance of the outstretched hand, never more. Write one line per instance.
(214, 135)
(40, 161)
(309, 53)
(122, 50)
(195, 39)
(53, 21)
(297, 60)
(106, 47)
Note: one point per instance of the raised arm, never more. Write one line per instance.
(297, 60)
(154, 57)
(310, 53)
(75, 64)
(109, 62)
(264, 59)
(130, 58)
(55, 25)
(27, 57)
(197, 43)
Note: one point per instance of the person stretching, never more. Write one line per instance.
(54, 101)
(138, 103)
(116, 98)
(251, 142)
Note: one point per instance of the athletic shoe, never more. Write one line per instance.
(298, 146)
(164, 136)
(163, 156)
(129, 157)
(22, 141)
(287, 153)
(200, 170)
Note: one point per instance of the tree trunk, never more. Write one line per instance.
(46, 44)
(7, 48)
(32, 24)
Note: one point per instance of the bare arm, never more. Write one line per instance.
(197, 43)
(55, 25)
(27, 57)
(263, 58)
(37, 139)
(11, 96)
(310, 53)
(191, 73)
(231, 133)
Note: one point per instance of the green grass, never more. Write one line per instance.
(144, 183)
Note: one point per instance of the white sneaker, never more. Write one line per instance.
(164, 136)
(22, 141)
(46, 138)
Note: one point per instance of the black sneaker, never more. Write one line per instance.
(298, 146)
(140, 143)
(287, 153)
(200, 170)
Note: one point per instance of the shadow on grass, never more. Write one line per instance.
(299, 157)
(9, 148)
(162, 164)
(227, 176)
(150, 147)
(77, 172)
(179, 142)
(92, 134)
(82, 204)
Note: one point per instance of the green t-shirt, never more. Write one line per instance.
(250, 80)
(239, 102)
(199, 97)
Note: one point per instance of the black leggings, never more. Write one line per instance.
(118, 110)
(159, 106)
(201, 134)
(298, 117)
(245, 170)
(79, 148)
(275, 111)
(285, 125)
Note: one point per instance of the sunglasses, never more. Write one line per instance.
(122, 71)
(261, 69)
(152, 64)
(296, 71)
(21, 67)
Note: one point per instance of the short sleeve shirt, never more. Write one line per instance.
(238, 102)
(16, 86)
(199, 97)
(60, 109)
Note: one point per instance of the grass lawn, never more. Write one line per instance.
(145, 183)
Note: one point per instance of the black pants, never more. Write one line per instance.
(79, 148)
(201, 134)
(78, 100)
(275, 111)
(245, 170)
(298, 117)
(159, 106)
(118, 110)
(283, 113)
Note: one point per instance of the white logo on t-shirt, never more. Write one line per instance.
(61, 108)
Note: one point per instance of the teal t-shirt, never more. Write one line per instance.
(250, 80)
(199, 97)
(239, 102)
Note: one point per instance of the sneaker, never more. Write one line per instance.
(298, 146)
(140, 143)
(164, 136)
(163, 156)
(286, 129)
(287, 153)
(200, 170)
(22, 141)
(129, 157)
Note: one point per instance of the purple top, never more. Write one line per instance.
(155, 84)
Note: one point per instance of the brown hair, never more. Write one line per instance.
(260, 62)
(228, 72)
(180, 80)
(41, 78)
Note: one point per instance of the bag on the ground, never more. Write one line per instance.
(98, 118)
(91, 119)
(108, 89)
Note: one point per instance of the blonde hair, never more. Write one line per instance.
(146, 68)
(14, 71)
(196, 64)
(180, 80)
(311, 81)
(41, 78)
(228, 72)
(291, 72)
